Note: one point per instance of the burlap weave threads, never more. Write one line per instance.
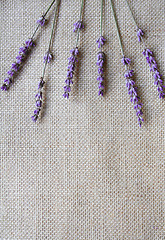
(85, 170)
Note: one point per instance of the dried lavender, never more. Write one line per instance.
(23, 53)
(150, 59)
(47, 58)
(101, 56)
(73, 58)
(130, 84)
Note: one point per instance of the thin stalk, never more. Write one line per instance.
(117, 29)
(43, 16)
(101, 18)
(131, 13)
(50, 40)
(78, 31)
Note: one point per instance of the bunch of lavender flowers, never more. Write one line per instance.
(71, 66)
(23, 53)
(73, 58)
(47, 58)
(132, 91)
(150, 59)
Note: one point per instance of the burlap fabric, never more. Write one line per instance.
(85, 170)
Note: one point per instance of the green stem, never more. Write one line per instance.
(50, 40)
(78, 31)
(101, 18)
(43, 16)
(131, 13)
(117, 29)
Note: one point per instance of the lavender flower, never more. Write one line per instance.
(101, 40)
(16, 65)
(38, 98)
(78, 25)
(125, 60)
(132, 91)
(41, 21)
(154, 69)
(71, 66)
(140, 34)
(48, 57)
(100, 78)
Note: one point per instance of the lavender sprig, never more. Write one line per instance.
(101, 56)
(73, 58)
(47, 58)
(150, 59)
(23, 53)
(130, 84)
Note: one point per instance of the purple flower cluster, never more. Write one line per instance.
(41, 21)
(132, 91)
(125, 60)
(16, 65)
(140, 34)
(71, 67)
(78, 25)
(100, 41)
(100, 78)
(48, 57)
(154, 69)
(38, 98)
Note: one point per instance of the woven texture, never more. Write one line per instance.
(85, 170)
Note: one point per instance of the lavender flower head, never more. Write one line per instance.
(100, 78)
(48, 57)
(100, 41)
(140, 34)
(41, 21)
(100, 62)
(71, 67)
(154, 69)
(78, 25)
(23, 52)
(132, 91)
(38, 98)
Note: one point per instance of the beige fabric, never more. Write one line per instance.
(85, 170)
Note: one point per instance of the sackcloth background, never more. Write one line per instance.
(85, 170)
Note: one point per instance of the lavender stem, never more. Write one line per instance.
(43, 17)
(55, 14)
(117, 28)
(78, 31)
(101, 19)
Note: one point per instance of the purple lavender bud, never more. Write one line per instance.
(129, 74)
(36, 111)
(38, 103)
(38, 95)
(100, 71)
(34, 118)
(41, 21)
(100, 78)
(125, 60)
(100, 93)
(48, 57)
(10, 72)
(67, 88)
(29, 43)
(66, 95)
(78, 25)
(140, 34)
(100, 63)
(70, 74)
(100, 41)
(8, 81)
(15, 66)
(4, 87)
